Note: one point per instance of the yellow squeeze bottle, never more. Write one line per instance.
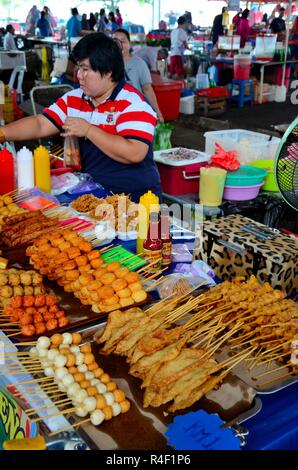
(148, 203)
(42, 172)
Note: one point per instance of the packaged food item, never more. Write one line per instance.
(72, 156)
(166, 239)
(181, 254)
(152, 246)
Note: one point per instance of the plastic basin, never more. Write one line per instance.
(246, 176)
(268, 165)
(241, 193)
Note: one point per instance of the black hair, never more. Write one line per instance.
(74, 11)
(9, 28)
(281, 10)
(102, 11)
(104, 55)
(181, 20)
(112, 16)
(224, 9)
(124, 31)
(42, 14)
(245, 13)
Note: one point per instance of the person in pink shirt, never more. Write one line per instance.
(243, 28)
(119, 19)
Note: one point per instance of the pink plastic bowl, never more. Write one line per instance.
(241, 193)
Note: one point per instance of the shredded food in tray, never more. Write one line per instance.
(180, 154)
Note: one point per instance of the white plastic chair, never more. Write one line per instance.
(19, 72)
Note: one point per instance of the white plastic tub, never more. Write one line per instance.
(187, 105)
(250, 146)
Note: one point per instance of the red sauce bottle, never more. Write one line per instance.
(166, 239)
(152, 246)
(6, 172)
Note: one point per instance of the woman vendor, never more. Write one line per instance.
(113, 121)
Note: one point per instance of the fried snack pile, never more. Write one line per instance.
(158, 355)
(16, 282)
(64, 256)
(36, 314)
(8, 208)
(77, 374)
(85, 203)
(118, 210)
(22, 229)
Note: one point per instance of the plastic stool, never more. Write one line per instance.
(241, 97)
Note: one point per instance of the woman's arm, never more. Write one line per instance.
(29, 128)
(151, 97)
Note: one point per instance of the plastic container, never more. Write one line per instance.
(167, 93)
(268, 165)
(42, 169)
(212, 182)
(280, 94)
(242, 65)
(250, 146)
(241, 193)
(202, 80)
(7, 174)
(148, 203)
(181, 179)
(245, 176)
(25, 166)
(265, 47)
(187, 105)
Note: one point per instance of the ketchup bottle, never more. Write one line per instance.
(7, 178)
(166, 239)
(152, 246)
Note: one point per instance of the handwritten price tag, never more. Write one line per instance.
(200, 431)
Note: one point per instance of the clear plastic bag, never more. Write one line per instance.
(162, 138)
(72, 157)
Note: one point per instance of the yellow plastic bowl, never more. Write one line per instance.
(270, 184)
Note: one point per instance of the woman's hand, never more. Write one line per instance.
(76, 126)
(160, 117)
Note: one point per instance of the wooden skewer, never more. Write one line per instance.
(50, 405)
(63, 412)
(285, 376)
(43, 379)
(272, 371)
(75, 425)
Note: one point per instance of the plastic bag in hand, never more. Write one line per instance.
(72, 155)
(225, 159)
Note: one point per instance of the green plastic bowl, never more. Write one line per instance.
(245, 176)
(270, 184)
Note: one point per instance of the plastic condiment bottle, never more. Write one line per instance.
(25, 167)
(152, 246)
(148, 203)
(42, 169)
(7, 179)
(166, 239)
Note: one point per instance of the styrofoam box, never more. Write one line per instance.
(250, 146)
(187, 105)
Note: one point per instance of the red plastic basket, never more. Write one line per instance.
(215, 92)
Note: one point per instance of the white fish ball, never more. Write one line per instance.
(109, 397)
(67, 380)
(90, 403)
(60, 373)
(80, 359)
(43, 353)
(81, 411)
(48, 372)
(67, 338)
(95, 382)
(97, 417)
(52, 354)
(60, 360)
(75, 349)
(116, 408)
(101, 388)
(33, 352)
(63, 345)
(81, 395)
(62, 387)
(89, 375)
(72, 389)
(83, 368)
(43, 342)
(45, 363)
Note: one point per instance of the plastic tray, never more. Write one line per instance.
(200, 158)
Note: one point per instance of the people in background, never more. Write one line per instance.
(112, 25)
(217, 28)
(43, 25)
(243, 29)
(278, 25)
(102, 21)
(85, 23)
(50, 17)
(8, 41)
(178, 45)
(92, 21)
(118, 18)
(236, 18)
(136, 71)
(73, 26)
(32, 19)
(112, 121)
(151, 55)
